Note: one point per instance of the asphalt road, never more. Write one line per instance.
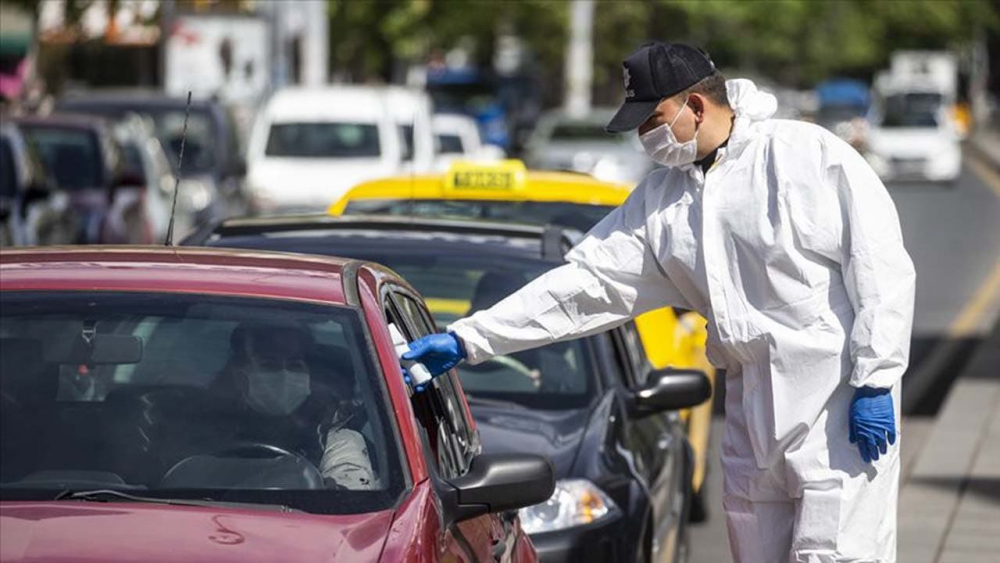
(953, 235)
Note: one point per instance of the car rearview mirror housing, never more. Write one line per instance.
(671, 389)
(501, 482)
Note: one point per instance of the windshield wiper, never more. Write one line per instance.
(110, 495)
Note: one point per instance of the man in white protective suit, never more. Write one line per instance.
(783, 237)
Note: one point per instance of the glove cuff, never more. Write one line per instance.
(872, 391)
(461, 345)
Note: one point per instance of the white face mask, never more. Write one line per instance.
(276, 393)
(662, 145)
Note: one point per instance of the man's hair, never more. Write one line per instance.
(712, 87)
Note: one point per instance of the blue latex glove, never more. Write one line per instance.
(437, 352)
(409, 380)
(873, 423)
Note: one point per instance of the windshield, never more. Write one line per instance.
(192, 396)
(71, 156)
(323, 140)
(912, 110)
(578, 216)
(449, 144)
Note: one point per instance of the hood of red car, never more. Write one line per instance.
(109, 532)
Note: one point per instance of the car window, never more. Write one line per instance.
(450, 144)
(636, 353)
(200, 141)
(912, 110)
(8, 175)
(132, 161)
(575, 215)
(630, 355)
(439, 407)
(323, 140)
(406, 142)
(197, 396)
(71, 156)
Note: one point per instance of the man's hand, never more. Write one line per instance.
(872, 424)
(437, 352)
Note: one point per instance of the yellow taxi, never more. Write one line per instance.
(506, 191)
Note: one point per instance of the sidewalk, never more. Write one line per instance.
(949, 508)
(986, 142)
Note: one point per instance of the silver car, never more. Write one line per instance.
(578, 143)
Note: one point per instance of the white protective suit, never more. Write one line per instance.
(790, 246)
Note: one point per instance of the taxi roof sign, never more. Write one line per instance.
(501, 176)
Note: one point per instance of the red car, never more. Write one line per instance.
(163, 404)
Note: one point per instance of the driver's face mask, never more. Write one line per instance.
(277, 388)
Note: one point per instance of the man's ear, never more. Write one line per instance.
(697, 104)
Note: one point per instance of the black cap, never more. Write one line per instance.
(656, 71)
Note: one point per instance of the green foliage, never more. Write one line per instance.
(798, 42)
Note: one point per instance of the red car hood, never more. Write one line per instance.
(109, 532)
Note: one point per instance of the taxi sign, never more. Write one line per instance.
(501, 176)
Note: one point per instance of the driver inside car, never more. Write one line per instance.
(294, 394)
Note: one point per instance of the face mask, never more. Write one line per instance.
(662, 145)
(276, 393)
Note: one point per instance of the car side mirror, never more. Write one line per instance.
(670, 389)
(501, 482)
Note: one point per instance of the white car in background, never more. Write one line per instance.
(309, 146)
(913, 138)
(580, 144)
(457, 138)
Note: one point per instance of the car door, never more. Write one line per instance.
(654, 439)
(453, 439)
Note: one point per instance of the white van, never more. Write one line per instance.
(913, 135)
(310, 145)
(457, 138)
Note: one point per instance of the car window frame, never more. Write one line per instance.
(430, 402)
(636, 366)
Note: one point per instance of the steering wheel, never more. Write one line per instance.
(508, 362)
(293, 470)
(261, 450)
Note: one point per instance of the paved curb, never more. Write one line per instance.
(948, 508)
(986, 145)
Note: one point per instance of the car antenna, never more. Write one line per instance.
(180, 162)
(413, 158)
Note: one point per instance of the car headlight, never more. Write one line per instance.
(575, 502)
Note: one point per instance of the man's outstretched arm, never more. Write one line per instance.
(609, 278)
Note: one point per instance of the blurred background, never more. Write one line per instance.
(904, 82)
